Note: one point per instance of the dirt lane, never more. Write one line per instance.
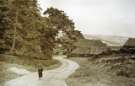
(54, 77)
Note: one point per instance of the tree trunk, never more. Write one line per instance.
(14, 35)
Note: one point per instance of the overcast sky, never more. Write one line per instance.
(104, 17)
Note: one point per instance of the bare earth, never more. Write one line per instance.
(54, 77)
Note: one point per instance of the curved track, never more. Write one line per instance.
(55, 77)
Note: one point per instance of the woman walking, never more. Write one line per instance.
(40, 71)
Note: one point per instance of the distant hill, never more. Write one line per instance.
(109, 40)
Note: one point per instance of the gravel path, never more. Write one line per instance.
(54, 77)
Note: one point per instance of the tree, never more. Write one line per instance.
(47, 37)
(24, 14)
(58, 21)
(4, 23)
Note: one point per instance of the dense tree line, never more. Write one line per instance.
(4, 23)
(23, 31)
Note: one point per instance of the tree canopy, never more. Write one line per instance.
(23, 31)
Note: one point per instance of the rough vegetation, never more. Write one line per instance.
(129, 46)
(85, 47)
(107, 70)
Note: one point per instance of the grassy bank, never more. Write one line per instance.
(110, 70)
